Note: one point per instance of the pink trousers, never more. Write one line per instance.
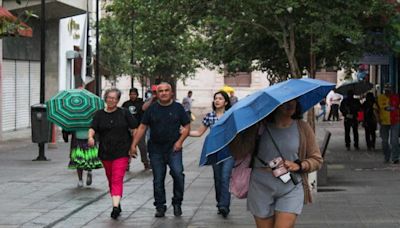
(115, 172)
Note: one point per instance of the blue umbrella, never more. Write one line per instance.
(255, 107)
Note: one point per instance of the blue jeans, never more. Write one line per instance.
(323, 108)
(393, 150)
(160, 157)
(222, 176)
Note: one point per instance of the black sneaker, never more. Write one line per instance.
(160, 212)
(177, 210)
(115, 212)
(223, 211)
(396, 162)
(89, 178)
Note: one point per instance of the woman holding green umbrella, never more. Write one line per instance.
(73, 110)
(113, 126)
(82, 157)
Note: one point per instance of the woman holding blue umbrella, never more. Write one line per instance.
(287, 151)
(222, 170)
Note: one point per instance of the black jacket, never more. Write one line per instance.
(350, 108)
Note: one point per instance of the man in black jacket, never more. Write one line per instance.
(350, 108)
(134, 105)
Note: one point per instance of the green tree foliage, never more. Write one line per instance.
(170, 39)
(157, 38)
(114, 58)
(279, 36)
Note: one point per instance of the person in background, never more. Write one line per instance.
(334, 108)
(113, 126)
(150, 99)
(233, 99)
(223, 170)
(387, 113)
(323, 109)
(165, 118)
(370, 121)
(82, 157)
(187, 104)
(134, 105)
(350, 108)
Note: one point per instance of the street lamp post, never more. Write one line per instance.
(41, 156)
(98, 78)
(133, 53)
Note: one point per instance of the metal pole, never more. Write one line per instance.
(98, 78)
(41, 156)
(133, 62)
(42, 51)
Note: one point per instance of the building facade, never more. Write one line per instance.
(20, 61)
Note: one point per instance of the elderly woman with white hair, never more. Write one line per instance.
(113, 126)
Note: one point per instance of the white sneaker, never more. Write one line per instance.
(80, 184)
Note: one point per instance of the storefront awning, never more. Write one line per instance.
(21, 29)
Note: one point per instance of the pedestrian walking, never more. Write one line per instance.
(323, 110)
(134, 105)
(278, 185)
(335, 100)
(222, 170)
(113, 126)
(350, 108)
(82, 157)
(370, 120)
(149, 101)
(234, 99)
(151, 98)
(187, 104)
(165, 118)
(387, 111)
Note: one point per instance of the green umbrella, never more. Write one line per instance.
(73, 109)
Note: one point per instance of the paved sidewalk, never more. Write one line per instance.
(361, 191)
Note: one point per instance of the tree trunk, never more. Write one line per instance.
(311, 112)
(294, 66)
(290, 51)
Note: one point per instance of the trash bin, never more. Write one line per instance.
(41, 127)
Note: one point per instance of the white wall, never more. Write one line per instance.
(67, 43)
(207, 82)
